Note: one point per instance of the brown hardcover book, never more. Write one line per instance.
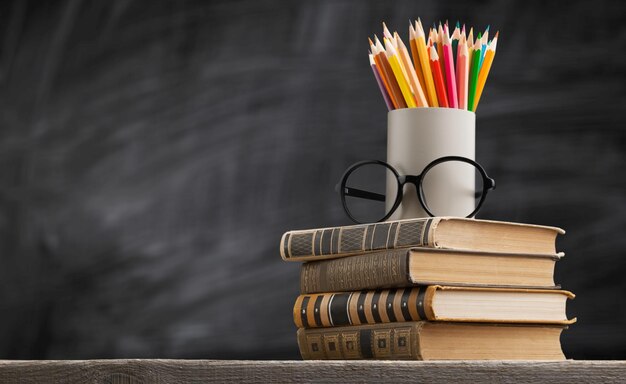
(434, 303)
(399, 268)
(425, 340)
(437, 232)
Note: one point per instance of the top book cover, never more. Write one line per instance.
(433, 232)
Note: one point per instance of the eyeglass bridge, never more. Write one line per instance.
(409, 179)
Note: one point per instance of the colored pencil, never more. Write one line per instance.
(484, 69)
(462, 73)
(446, 69)
(379, 81)
(473, 75)
(470, 45)
(392, 57)
(483, 45)
(381, 72)
(454, 39)
(418, 90)
(405, 71)
(396, 93)
(422, 52)
(438, 78)
(439, 34)
(386, 33)
(416, 60)
(448, 59)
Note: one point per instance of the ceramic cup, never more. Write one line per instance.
(416, 137)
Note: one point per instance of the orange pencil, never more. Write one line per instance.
(379, 69)
(484, 69)
(416, 60)
(422, 52)
(416, 87)
(378, 60)
(396, 93)
(462, 73)
(379, 81)
(438, 78)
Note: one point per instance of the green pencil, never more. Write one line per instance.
(456, 35)
(473, 74)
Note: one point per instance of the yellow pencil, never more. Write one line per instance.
(405, 71)
(416, 87)
(470, 45)
(392, 57)
(484, 69)
(425, 63)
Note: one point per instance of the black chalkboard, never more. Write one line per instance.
(152, 153)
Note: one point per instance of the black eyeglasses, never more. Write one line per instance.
(363, 187)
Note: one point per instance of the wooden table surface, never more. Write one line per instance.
(244, 371)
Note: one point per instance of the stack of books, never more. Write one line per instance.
(433, 288)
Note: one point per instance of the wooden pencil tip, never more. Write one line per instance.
(497, 33)
(458, 25)
(370, 41)
(386, 30)
(433, 54)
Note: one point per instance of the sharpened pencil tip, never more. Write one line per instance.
(433, 54)
(386, 31)
(497, 33)
(370, 41)
(458, 25)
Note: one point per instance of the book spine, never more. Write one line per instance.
(386, 269)
(335, 242)
(356, 308)
(380, 341)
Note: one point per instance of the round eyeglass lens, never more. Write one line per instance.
(452, 188)
(365, 192)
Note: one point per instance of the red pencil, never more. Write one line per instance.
(438, 78)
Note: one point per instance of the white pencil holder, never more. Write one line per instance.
(416, 137)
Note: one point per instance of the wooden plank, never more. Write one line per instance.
(234, 371)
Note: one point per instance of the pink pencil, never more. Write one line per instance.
(462, 73)
(448, 63)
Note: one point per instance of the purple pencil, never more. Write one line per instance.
(383, 90)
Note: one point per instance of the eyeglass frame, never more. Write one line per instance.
(416, 180)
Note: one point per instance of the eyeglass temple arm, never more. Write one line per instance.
(354, 192)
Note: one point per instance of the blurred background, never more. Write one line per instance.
(153, 153)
